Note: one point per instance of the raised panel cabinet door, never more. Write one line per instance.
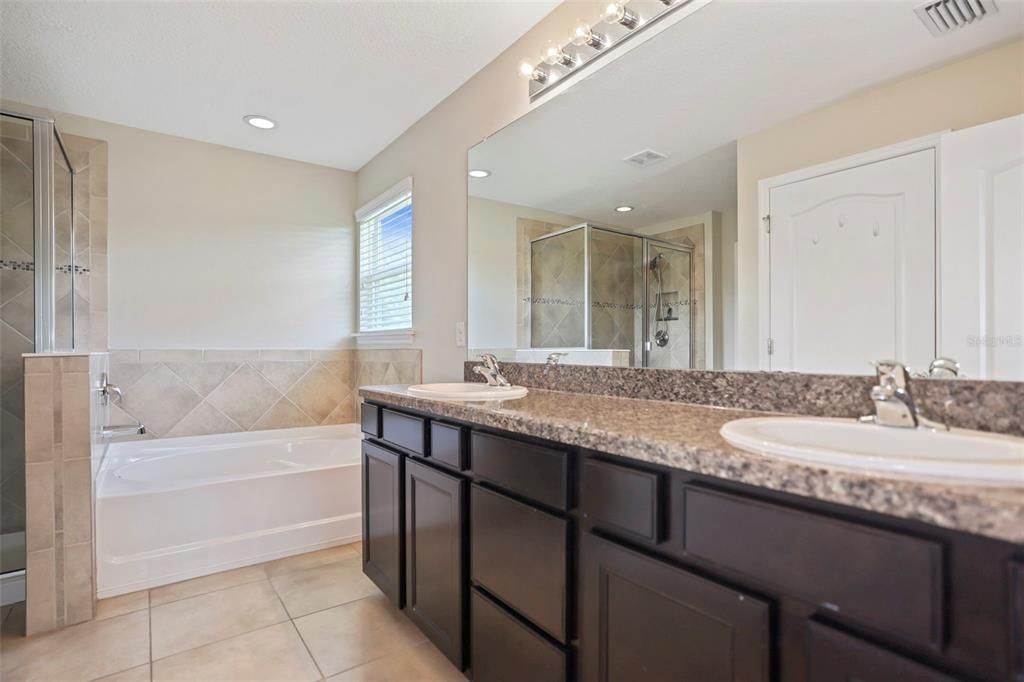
(435, 560)
(647, 621)
(382, 520)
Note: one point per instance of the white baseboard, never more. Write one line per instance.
(12, 587)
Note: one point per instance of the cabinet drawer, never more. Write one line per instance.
(403, 430)
(369, 419)
(519, 555)
(504, 649)
(834, 656)
(624, 499)
(884, 580)
(532, 471)
(446, 445)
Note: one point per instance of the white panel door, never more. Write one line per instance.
(982, 249)
(852, 267)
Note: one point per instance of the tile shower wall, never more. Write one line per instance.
(196, 392)
(60, 587)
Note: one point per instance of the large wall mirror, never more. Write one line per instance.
(780, 186)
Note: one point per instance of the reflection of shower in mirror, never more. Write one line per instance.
(660, 326)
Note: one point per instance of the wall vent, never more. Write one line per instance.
(647, 157)
(944, 16)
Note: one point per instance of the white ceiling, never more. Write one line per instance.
(343, 79)
(731, 69)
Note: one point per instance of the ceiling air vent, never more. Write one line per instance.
(943, 16)
(647, 157)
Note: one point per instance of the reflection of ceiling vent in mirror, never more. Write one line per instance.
(647, 157)
(943, 16)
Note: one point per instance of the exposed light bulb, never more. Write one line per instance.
(616, 13)
(583, 34)
(554, 54)
(531, 73)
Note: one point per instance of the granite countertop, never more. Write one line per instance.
(686, 436)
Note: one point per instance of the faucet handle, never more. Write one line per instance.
(554, 358)
(892, 373)
(490, 360)
(944, 367)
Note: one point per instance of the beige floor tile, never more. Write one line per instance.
(357, 632)
(139, 674)
(80, 652)
(315, 589)
(207, 583)
(274, 653)
(125, 603)
(309, 560)
(420, 663)
(189, 623)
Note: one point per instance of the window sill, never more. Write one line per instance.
(388, 338)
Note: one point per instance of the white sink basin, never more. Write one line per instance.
(956, 456)
(467, 391)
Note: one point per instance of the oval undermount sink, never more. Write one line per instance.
(955, 456)
(467, 391)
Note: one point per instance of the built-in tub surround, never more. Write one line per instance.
(196, 392)
(687, 436)
(965, 403)
(59, 447)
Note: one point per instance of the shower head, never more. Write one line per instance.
(653, 265)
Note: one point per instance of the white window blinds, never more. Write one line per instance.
(385, 261)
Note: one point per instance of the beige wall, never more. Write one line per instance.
(212, 247)
(433, 151)
(968, 92)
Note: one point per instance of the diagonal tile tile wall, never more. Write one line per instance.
(197, 392)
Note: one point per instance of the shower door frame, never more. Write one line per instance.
(44, 255)
(690, 306)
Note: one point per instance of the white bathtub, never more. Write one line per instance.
(178, 508)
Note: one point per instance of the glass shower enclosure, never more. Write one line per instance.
(599, 288)
(37, 282)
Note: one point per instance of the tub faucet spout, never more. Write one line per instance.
(115, 430)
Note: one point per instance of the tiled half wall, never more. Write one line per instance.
(196, 392)
(58, 482)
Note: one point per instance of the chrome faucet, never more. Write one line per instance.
(894, 403)
(554, 359)
(115, 430)
(109, 392)
(491, 371)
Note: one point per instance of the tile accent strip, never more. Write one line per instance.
(60, 587)
(194, 392)
(971, 404)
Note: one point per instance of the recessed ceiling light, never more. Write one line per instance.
(479, 173)
(624, 209)
(261, 122)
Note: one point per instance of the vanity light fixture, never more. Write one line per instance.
(261, 122)
(616, 13)
(479, 173)
(625, 208)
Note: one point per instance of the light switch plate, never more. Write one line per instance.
(460, 334)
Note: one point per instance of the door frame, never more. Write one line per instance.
(766, 185)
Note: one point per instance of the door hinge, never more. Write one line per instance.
(767, 220)
(771, 346)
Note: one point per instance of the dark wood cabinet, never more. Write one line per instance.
(383, 546)
(833, 656)
(644, 620)
(527, 560)
(435, 572)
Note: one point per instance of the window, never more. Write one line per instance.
(385, 261)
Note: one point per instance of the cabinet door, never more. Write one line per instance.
(382, 520)
(435, 559)
(647, 621)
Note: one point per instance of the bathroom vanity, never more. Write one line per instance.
(583, 537)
